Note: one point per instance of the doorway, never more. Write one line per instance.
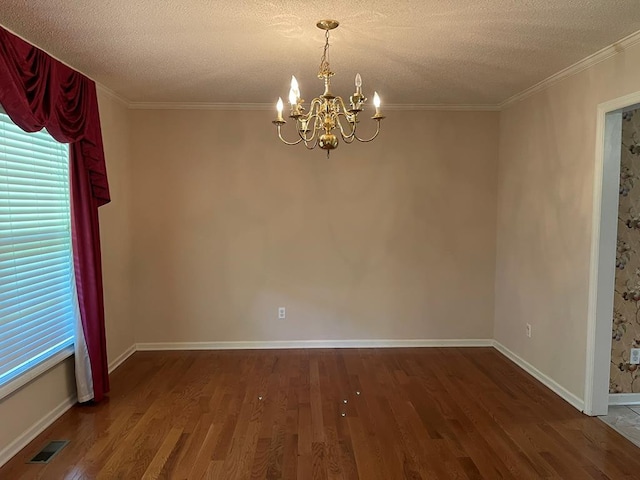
(603, 250)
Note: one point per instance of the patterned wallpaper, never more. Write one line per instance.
(625, 378)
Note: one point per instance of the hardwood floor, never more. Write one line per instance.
(455, 413)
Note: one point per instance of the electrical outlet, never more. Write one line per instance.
(282, 313)
(635, 356)
(529, 330)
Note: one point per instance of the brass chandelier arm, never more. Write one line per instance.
(317, 124)
(312, 115)
(310, 142)
(316, 104)
(315, 143)
(352, 120)
(284, 141)
(313, 130)
(348, 138)
(374, 135)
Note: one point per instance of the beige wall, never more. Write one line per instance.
(115, 227)
(545, 195)
(389, 240)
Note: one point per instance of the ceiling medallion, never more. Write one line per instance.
(327, 113)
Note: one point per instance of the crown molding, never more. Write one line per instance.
(443, 107)
(270, 106)
(199, 106)
(588, 62)
(112, 94)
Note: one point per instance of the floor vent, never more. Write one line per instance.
(50, 450)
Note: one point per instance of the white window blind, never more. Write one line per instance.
(37, 295)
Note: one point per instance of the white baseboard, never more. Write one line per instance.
(36, 429)
(538, 375)
(119, 360)
(313, 344)
(624, 399)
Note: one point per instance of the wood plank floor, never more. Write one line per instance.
(454, 413)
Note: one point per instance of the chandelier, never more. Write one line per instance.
(328, 112)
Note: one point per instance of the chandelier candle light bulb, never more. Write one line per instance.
(292, 97)
(376, 103)
(295, 89)
(327, 113)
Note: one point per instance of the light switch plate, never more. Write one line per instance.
(635, 356)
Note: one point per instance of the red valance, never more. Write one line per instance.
(37, 91)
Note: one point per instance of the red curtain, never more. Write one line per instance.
(38, 92)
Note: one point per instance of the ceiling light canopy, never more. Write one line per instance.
(327, 113)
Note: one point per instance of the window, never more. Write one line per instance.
(38, 304)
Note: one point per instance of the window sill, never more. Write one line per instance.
(29, 375)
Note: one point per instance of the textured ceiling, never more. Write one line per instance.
(457, 52)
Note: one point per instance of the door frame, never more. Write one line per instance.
(604, 233)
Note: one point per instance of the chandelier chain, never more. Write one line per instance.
(324, 60)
